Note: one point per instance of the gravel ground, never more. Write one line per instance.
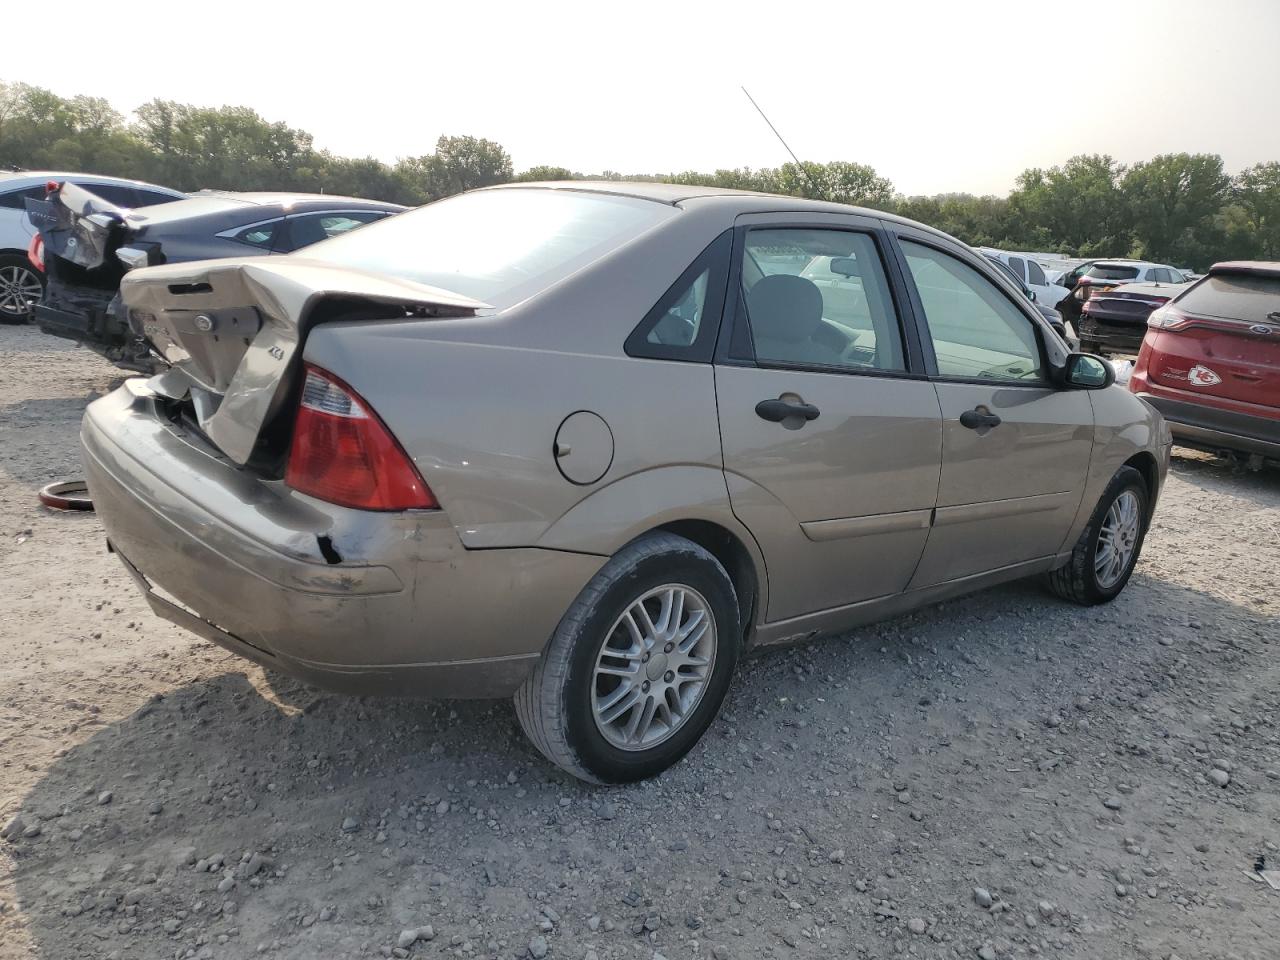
(1000, 776)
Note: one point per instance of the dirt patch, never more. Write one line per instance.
(999, 776)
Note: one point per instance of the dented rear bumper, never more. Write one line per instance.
(349, 600)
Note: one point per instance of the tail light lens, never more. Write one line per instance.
(35, 252)
(1168, 318)
(344, 454)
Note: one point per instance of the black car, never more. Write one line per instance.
(87, 244)
(1115, 319)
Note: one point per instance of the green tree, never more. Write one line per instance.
(545, 174)
(1076, 208)
(1174, 200)
(1257, 192)
(459, 163)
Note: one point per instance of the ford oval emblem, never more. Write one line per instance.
(1261, 329)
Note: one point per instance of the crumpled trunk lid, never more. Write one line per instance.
(232, 331)
(80, 227)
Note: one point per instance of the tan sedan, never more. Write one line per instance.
(585, 444)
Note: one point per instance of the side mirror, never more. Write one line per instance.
(1032, 295)
(1088, 372)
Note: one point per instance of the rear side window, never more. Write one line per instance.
(1015, 264)
(683, 324)
(308, 228)
(1103, 272)
(259, 234)
(818, 298)
(147, 198)
(16, 199)
(498, 246)
(1035, 275)
(114, 193)
(1252, 299)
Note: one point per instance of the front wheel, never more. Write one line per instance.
(1107, 551)
(639, 665)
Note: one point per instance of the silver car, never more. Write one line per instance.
(586, 444)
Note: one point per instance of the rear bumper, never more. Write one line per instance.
(1212, 428)
(406, 610)
(1121, 337)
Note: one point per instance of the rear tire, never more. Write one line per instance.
(1108, 549)
(674, 670)
(21, 287)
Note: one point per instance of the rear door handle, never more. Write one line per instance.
(778, 410)
(980, 418)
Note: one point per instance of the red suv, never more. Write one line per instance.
(1210, 361)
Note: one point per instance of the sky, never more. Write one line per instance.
(937, 96)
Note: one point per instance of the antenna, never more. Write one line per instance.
(803, 169)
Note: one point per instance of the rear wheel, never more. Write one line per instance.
(1107, 551)
(639, 666)
(21, 287)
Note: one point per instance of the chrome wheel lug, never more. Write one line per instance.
(668, 676)
(669, 647)
(645, 686)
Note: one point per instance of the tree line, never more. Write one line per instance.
(1179, 208)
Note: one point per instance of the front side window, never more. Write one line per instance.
(1015, 264)
(818, 298)
(977, 332)
(1035, 274)
(497, 246)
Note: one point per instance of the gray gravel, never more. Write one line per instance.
(1002, 776)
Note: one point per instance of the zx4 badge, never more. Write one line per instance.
(1201, 376)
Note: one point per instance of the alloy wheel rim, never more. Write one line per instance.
(1117, 540)
(19, 289)
(654, 667)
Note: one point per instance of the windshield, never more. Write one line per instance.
(1253, 299)
(1104, 271)
(498, 246)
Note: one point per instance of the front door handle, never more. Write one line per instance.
(778, 410)
(979, 418)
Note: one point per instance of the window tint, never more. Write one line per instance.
(819, 298)
(16, 200)
(678, 326)
(1252, 299)
(308, 228)
(1035, 274)
(1115, 272)
(498, 246)
(147, 198)
(976, 330)
(114, 193)
(260, 234)
(1015, 264)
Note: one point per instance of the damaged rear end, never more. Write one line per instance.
(86, 245)
(249, 493)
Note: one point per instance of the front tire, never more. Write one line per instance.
(639, 665)
(1108, 549)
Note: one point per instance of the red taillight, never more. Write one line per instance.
(344, 454)
(35, 252)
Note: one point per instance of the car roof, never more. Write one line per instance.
(266, 198)
(1257, 268)
(675, 194)
(24, 178)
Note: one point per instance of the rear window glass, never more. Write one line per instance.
(498, 246)
(16, 199)
(1104, 272)
(1235, 297)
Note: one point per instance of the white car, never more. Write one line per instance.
(1031, 273)
(21, 285)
